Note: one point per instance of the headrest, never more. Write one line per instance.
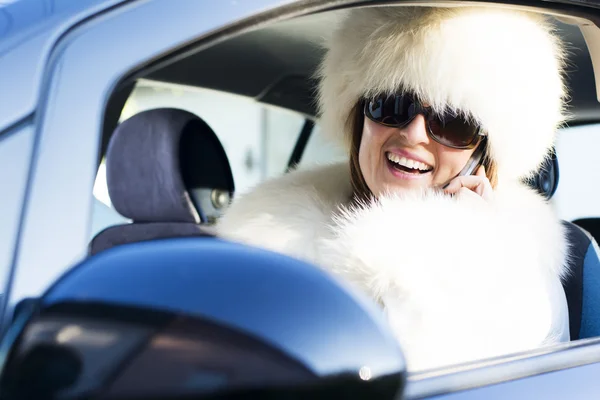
(161, 162)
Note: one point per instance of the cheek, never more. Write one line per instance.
(374, 131)
(452, 161)
(364, 155)
(373, 138)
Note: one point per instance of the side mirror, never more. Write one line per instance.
(204, 318)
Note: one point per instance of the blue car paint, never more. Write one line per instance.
(29, 30)
(303, 310)
(569, 384)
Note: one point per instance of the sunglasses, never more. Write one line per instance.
(448, 129)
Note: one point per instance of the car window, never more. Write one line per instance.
(577, 195)
(321, 150)
(257, 138)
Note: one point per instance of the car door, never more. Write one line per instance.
(86, 64)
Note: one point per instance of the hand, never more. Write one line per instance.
(469, 184)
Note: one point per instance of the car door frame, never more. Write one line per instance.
(82, 73)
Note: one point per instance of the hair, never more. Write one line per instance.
(360, 189)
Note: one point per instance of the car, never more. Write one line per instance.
(77, 74)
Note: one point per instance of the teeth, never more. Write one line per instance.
(408, 163)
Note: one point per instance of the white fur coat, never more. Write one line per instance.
(459, 278)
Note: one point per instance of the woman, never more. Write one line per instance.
(465, 266)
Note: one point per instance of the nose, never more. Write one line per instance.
(416, 132)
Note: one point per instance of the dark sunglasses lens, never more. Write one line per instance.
(448, 129)
(391, 111)
(454, 131)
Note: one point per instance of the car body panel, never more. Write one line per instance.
(15, 158)
(29, 30)
(47, 66)
(474, 377)
(574, 383)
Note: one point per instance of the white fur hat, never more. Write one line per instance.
(503, 67)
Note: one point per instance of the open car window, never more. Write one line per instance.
(577, 195)
(321, 150)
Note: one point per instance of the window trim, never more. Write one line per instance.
(19, 142)
(538, 362)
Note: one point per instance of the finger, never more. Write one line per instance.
(468, 182)
(465, 194)
(472, 182)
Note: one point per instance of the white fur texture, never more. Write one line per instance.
(460, 279)
(500, 66)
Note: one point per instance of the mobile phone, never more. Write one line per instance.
(474, 162)
(472, 165)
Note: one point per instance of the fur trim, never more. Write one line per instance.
(502, 67)
(459, 278)
(289, 214)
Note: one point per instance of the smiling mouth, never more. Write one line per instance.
(407, 165)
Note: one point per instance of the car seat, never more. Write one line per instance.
(582, 284)
(168, 173)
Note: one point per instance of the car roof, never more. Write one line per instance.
(29, 29)
(17, 16)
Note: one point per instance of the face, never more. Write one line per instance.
(393, 159)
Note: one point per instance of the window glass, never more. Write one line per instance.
(577, 195)
(321, 150)
(282, 130)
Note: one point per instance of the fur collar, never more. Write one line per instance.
(459, 278)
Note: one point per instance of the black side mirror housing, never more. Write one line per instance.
(199, 317)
